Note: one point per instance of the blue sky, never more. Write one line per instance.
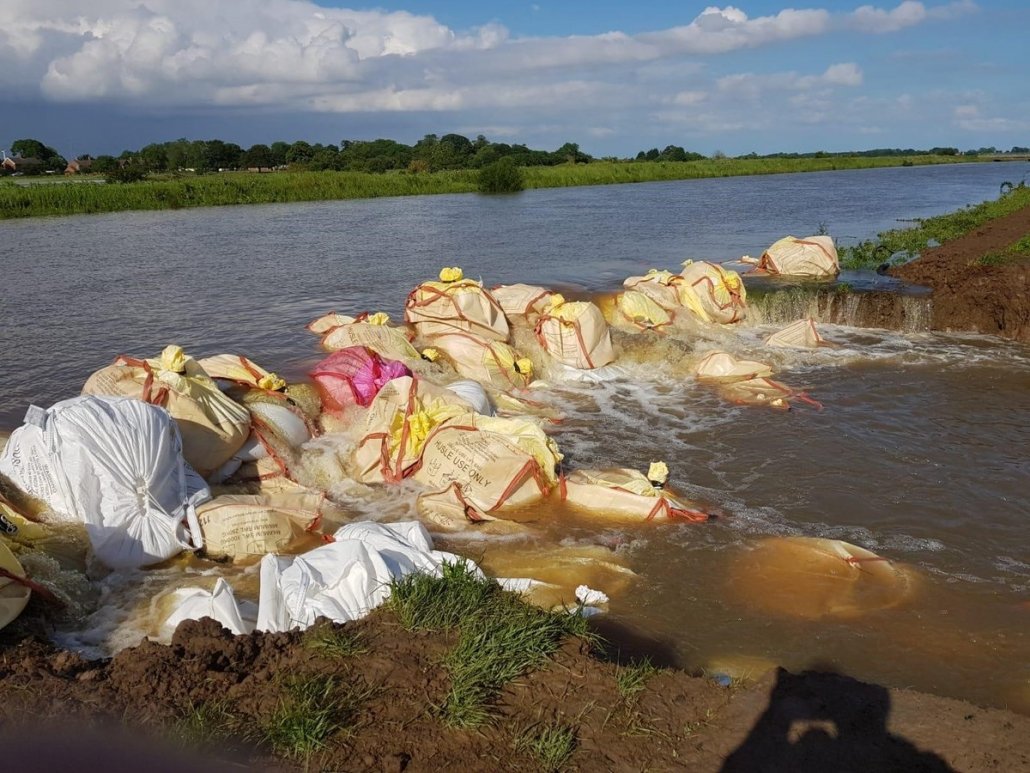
(616, 77)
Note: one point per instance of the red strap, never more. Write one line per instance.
(33, 586)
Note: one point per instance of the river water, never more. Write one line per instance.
(920, 453)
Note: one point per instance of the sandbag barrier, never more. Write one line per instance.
(470, 466)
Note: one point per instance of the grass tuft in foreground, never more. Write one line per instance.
(208, 724)
(901, 245)
(500, 636)
(331, 641)
(633, 678)
(311, 709)
(552, 745)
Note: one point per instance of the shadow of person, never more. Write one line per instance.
(827, 722)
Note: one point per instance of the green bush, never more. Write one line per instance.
(502, 176)
(126, 174)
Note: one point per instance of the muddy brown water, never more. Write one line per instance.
(920, 453)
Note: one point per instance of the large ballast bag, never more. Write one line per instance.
(576, 334)
(711, 292)
(213, 425)
(455, 305)
(813, 256)
(115, 465)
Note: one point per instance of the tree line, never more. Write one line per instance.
(431, 153)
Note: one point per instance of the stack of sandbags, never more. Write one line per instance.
(116, 465)
(371, 330)
(575, 333)
(455, 304)
(213, 425)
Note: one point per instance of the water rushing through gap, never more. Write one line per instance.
(920, 453)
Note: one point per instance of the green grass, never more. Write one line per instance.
(633, 678)
(311, 709)
(552, 745)
(1018, 252)
(208, 724)
(331, 641)
(500, 637)
(901, 245)
(79, 196)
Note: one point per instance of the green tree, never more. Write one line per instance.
(29, 148)
(257, 156)
(502, 176)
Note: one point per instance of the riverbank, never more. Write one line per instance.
(981, 280)
(234, 188)
(369, 695)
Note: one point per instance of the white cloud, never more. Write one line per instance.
(869, 18)
(969, 118)
(752, 85)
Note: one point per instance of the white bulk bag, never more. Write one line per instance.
(814, 256)
(219, 604)
(345, 579)
(114, 464)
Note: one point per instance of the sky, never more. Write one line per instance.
(616, 77)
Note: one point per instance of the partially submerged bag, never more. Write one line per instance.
(575, 334)
(397, 424)
(725, 368)
(369, 330)
(813, 256)
(213, 425)
(764, 391)
(492, 470)
(14, 590)
(116, 465)
(711, 292)
(494, 363)
(812, 578)
(354, 376)
(659, 286)
(347, 578)
(455, 305)
(193, 603)
(624, 493)
(798, 335)
(640, 311)
(245, 526)
(521, 301)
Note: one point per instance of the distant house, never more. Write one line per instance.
(15, 164)
(78, 165)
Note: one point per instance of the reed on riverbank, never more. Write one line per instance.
(903, 244)
(229, 188)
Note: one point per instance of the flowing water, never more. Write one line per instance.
(919, 454)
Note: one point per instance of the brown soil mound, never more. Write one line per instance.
(121, 713)
(968, 295)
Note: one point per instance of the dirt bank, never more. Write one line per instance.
(972, 291)
(209, 683)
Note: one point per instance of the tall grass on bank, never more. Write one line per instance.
(903, 244)
(500, 637)
(230, 188)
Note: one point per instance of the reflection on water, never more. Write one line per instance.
(919, 454)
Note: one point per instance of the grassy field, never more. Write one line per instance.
(20, 200)
(903, 244)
